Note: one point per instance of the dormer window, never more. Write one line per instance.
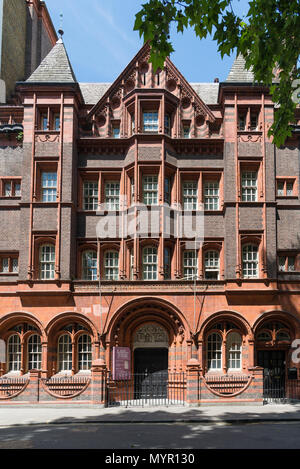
(150, 121)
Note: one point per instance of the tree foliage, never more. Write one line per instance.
(268, 38)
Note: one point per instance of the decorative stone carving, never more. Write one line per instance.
(248, 138)
(47, 137)
(151, 335)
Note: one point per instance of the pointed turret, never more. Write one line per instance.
(55, 68)
(239, 73)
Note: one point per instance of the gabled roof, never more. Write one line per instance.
(93, 92)
(239, 73)
(130, 69)
(55, 68)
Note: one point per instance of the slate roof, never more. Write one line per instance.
(239, 73)
(208, 92)
(55, 68)
(93, 92)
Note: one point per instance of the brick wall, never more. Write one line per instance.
(13, 43)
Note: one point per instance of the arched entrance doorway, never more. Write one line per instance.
(150, 347)
(273, 339)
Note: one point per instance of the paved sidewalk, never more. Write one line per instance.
(67, 415)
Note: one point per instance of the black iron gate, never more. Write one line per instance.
(147, 389)
(273, 363)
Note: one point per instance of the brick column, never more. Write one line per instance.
(99, 375)
(257, 386)
(193, 383)
(2, 368)
(32, 391)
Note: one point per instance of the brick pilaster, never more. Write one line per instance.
(99, 378)
(193, 382)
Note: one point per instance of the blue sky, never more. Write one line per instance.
(100, 41)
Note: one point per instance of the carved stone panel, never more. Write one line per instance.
(152, 336)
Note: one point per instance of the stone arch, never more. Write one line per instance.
(71, 316)
(138, 311)
(233, 316)
(13, 318)
(280, 315)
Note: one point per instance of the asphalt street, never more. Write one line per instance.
(152, 436)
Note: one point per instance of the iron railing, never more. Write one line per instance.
(11, 386)
(228, 384)
(142, 389)
(66, 386)
(280, 390)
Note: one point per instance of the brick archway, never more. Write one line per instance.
(135, 314)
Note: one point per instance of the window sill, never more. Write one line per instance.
(288, 272)
(10, 274)
(213, 212)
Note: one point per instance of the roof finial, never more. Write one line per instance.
(61, 31)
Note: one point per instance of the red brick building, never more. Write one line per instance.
(68, 297)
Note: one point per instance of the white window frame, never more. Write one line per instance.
(89, 265)
(234, 351)
(49, 186)
(111, 265)
(211, 195)
(14, 353)
(47, 261)
(190, 264)
(90, 195)
(150, 190)
(214, 353)
(84, 352)
(190, 195)
(34, 349)
(212, 263)
(249, 186)
(249, 263)
(64, 353)
(112, 195)
(150, 122)
(150, 263)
